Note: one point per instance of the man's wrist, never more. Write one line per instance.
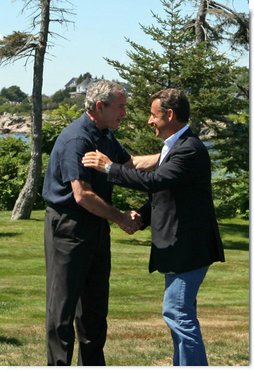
(107, 168)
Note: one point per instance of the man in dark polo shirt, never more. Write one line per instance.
(77, 233)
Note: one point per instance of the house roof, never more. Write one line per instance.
(73, 81)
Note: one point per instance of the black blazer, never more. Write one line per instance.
(185, 233)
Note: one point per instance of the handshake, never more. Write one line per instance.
(130, 222)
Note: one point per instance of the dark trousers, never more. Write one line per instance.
(77, 271)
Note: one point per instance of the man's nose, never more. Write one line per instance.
(150, 121)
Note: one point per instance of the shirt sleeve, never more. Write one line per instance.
(70, 161)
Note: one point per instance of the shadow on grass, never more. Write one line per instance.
(9, 234)
(243, 230)
(134, 241)
(226, 230)
(10, 341)
(233, 230)
(235, 245)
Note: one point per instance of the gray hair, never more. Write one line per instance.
(102, 90)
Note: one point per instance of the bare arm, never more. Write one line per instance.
(86, 198)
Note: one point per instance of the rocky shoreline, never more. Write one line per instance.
(14, 124)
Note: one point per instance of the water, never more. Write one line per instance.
(23, 137)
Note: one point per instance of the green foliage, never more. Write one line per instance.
(232, 143)
(23, 108)
(57, 120)
(13, 94)
(61, 99)
(231, 196)
(14, 158)
(207, 78)
(15, 46)
(14, 100)
(2, 100)
(176, 61)
(60, 95)
(137, 136)
(152, 70)
(126, 199)
(230, 155)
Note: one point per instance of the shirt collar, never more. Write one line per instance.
(92, 128)
(170, 141)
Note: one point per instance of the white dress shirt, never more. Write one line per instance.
(168, 144)
(170, 141)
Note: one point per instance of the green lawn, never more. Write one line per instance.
(137, 335)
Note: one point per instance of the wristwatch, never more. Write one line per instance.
(107, 168)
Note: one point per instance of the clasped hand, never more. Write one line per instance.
(131, 222)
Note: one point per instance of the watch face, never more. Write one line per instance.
(107, 168)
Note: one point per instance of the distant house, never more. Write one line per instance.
(82, 87)
(72, 83)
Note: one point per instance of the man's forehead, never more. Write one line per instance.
(155, 104)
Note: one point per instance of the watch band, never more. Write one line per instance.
(107, 168)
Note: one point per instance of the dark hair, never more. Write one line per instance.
(176, 100)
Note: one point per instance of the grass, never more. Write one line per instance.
(137, 335)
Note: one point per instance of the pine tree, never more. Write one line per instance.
(177, 61)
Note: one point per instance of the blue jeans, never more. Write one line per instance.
(180, 314)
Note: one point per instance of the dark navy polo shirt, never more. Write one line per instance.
(65, 164)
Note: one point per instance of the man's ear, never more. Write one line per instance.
(98, 105)
(171, 114)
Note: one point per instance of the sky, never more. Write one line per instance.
(99, 30)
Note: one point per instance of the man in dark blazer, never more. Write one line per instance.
(180, 210)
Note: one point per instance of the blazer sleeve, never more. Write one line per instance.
(180, 168)
(145, 212)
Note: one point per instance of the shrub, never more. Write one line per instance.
(14, 161)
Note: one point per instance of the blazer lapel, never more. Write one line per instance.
(187, 133)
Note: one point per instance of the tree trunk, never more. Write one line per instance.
(200, 30)
(24, 204)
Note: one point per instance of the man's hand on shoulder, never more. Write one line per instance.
(97, 160)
